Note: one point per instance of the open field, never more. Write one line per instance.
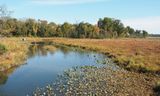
(133, 54)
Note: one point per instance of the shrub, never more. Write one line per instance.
(3, 49)
(157, 88)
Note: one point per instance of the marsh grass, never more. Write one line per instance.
(142, 55)
(15, 55)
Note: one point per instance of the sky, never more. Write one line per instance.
(139, 14)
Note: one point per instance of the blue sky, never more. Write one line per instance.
(139, 14)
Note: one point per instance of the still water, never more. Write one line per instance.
(43, 66)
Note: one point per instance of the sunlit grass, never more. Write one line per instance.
(15, 54)
(133, 54)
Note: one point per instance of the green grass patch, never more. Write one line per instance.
(3, 49)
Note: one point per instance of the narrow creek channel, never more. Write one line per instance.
(44, 65)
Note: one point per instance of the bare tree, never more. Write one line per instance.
(4, 15)
(4, 12)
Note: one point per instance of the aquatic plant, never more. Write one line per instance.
(47, 91)
(92, 81)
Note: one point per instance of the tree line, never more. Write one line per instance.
(105, 28)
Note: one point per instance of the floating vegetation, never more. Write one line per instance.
(104, 61)
(93, 81)
(47, 91)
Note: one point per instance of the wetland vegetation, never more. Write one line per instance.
(43, 66)
(13, 53)
(41, 58)
(92, 81)
(88, 79)
(133, 54)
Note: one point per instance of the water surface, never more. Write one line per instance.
(43, 66)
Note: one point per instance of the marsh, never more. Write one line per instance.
(44, 65)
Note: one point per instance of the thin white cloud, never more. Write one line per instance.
(151, 24)
(64, 2)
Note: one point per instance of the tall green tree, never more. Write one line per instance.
(145, 33)
(67, 29)
(106, 28)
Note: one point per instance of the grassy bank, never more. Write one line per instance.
(141, 55)
(133, 54)
(13, 52)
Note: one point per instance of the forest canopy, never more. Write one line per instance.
(105, 28)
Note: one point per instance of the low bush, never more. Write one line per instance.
(157, 88)
(3, 49)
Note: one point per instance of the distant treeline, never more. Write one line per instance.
(154, 35)
(105, 28)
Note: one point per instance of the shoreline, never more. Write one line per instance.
(148, 78)
(139, 69)
(89, 44)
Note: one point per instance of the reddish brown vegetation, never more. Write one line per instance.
(134, 54)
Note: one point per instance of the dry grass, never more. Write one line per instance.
(133, 54)
(15, 55)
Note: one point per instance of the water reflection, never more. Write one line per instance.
(43, 65)
(39, 50)
(4, 75)
(3, 78)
